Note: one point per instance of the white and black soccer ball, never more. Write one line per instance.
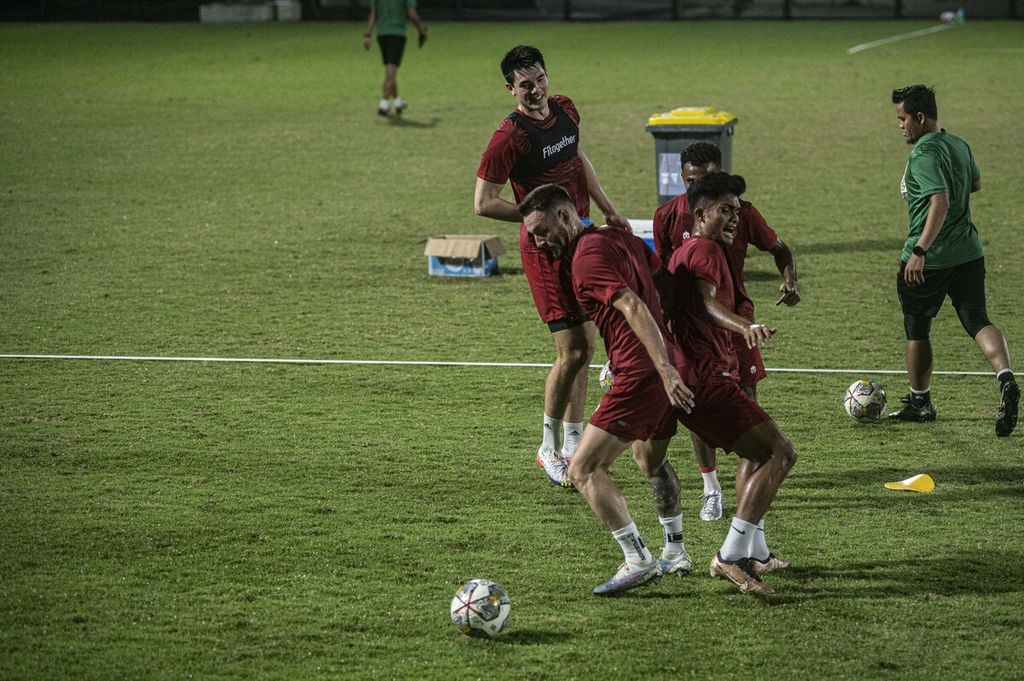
(606, 379)
(481, 608)
(865, 401)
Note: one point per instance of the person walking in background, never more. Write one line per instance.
(389, 17)
(943, 256)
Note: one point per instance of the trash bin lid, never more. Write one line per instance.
(692, 115)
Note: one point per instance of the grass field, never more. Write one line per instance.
(228, 191)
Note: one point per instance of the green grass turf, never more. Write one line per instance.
(228, 191)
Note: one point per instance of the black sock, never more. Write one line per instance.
(1004, 378)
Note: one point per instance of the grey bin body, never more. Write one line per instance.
(669, 142)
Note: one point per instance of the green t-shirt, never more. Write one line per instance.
(942, 163)
(391, 15)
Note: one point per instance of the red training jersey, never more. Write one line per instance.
(606, 260)
(510, 144)
(707, 347)
(673, 224)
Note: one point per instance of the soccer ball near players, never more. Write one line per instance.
(481, 608)
(606, 379)
(865, 401)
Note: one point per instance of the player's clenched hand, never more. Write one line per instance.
(790, 294)
(367, 40)
(679, 395)
(423, 36)
(616, 220)
(757, 334)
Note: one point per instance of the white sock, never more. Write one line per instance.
(399, 103)
(921, 392)
(571, 434)
(552, 433)
(633, 547)
(710, 481)
(672, 530)
(759, 547)
(737, 542)
(383, 106)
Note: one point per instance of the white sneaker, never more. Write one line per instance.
(629, 577)
(711, 506)
(675, 563)
(567, 456)
(554, 467)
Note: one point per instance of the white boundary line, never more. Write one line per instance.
(898, 38)
(435, 363)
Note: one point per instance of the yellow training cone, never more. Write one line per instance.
(919, 483)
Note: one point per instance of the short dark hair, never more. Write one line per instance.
(544, 198)
(917, 99)
(701, 153)
(520, 58)
(714, 186)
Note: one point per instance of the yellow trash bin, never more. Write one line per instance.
(675, 130)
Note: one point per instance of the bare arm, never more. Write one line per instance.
(724, 318)
(421, 27)
(785, 262)
(370, 23)
(604, 204)
(488, 203)
(913, 273)
(646, 329)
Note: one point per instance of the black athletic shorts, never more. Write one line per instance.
(964, 284)
(391, 48)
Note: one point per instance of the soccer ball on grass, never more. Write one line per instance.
(865, 401)
(480, 608)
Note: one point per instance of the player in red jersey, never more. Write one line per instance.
(539, 143)
(673, 224)
(702, 320)
(612, 280)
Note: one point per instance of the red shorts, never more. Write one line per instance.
(722, 413)
(550, 282)
(636, 410)
(751, 365)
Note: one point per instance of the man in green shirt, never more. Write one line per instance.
(943, 255)
(389, 17)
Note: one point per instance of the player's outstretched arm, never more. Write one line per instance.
(604, 204)
(724, 318)
(646, 329)
(789, 290)
(488, 202)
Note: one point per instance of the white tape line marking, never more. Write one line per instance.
(898, 38)
(435, 363)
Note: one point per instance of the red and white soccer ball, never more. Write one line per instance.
(865, 401)
(481, 608)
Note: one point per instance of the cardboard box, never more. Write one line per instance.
(460, 255)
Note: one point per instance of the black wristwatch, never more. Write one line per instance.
(918, 251)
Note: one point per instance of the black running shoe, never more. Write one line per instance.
(913, 411)
(1006, 416)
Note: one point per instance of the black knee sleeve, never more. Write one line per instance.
(917, 327)
(974, 319)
